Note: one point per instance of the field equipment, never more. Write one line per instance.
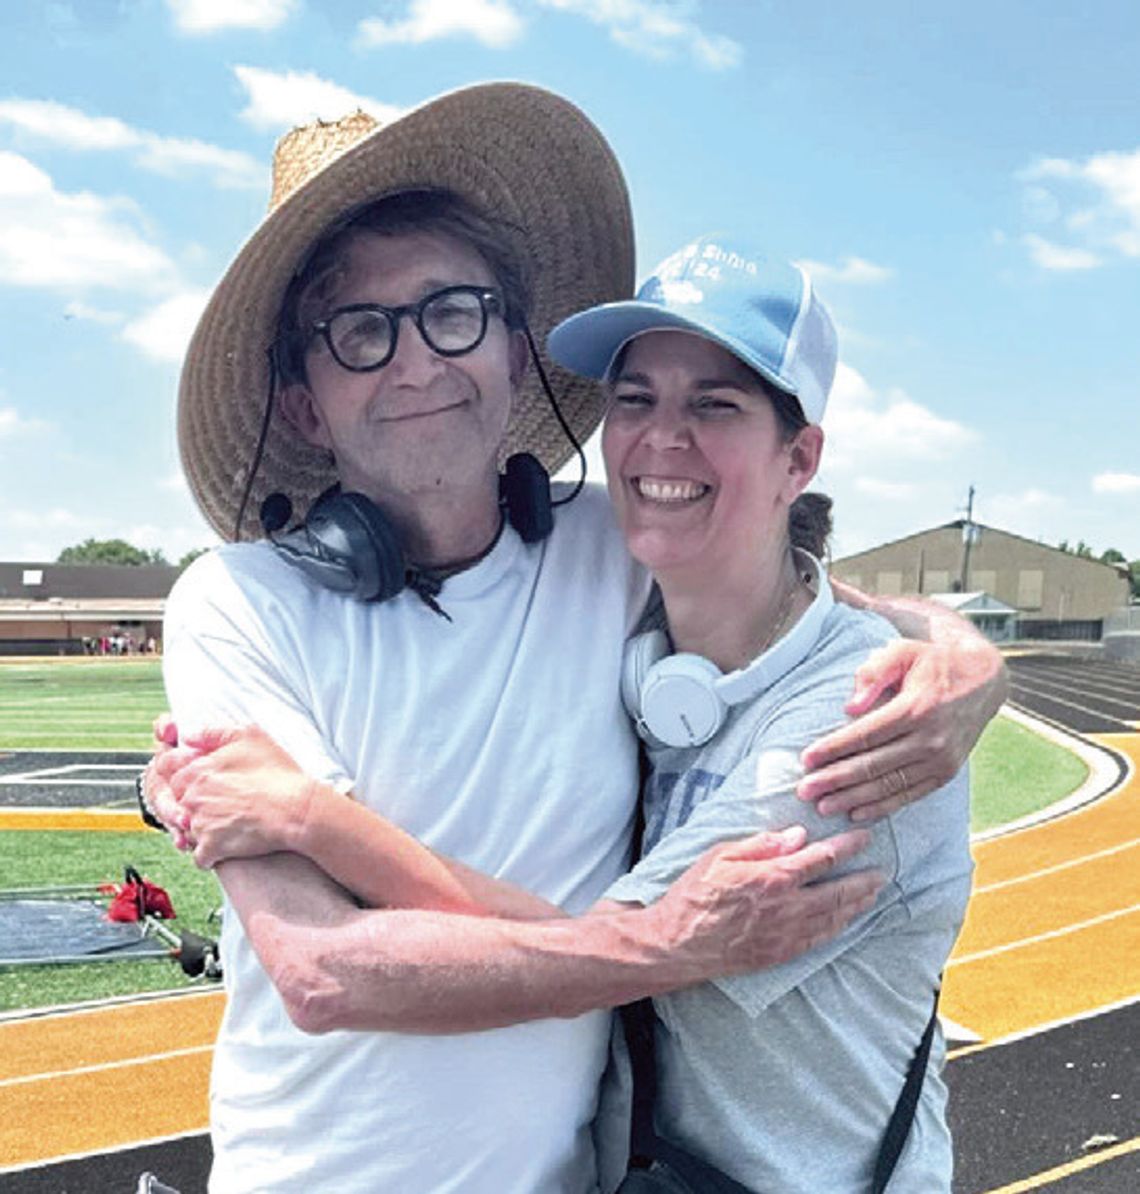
(104, 922)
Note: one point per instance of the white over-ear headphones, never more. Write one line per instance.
(683, 699)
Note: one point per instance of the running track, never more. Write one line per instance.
(1043, 996)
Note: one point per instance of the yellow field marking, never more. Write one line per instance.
(78, 818)
(1070, 1167)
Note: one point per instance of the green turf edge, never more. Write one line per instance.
(1015, 772)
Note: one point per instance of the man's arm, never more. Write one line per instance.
(234, 793)
(920, 706)
(744, 905)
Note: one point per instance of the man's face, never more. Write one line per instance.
(422, 422)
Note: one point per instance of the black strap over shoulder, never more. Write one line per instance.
(646, 1146)
(898, 1126)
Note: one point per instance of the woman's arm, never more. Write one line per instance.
(919, 705)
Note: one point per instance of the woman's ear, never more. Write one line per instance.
(803, 459)
(304, 415)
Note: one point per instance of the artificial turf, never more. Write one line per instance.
(81, 704)
(1014, 772)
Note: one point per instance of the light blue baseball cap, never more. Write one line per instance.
(761, 309)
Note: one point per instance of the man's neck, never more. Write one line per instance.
(440, 527)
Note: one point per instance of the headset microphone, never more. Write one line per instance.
(275, 512)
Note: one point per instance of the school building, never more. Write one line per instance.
(1053, 594)
(73, 609)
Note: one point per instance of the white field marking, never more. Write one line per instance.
(110, 1004)
(105, 1066)
(953, 1031)
(1042, 691)
(1024, 1033)
(1078, 927)
(104, 1152)
(1058, 867)
(64, 776)
(1090, 672)
(1103, 779)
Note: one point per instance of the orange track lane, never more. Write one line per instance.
(1054, 925)
(94, 1079)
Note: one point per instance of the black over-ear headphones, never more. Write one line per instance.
(348, 545)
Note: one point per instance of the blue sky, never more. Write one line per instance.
(962, 182)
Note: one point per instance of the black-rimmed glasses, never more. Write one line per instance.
(452, 321)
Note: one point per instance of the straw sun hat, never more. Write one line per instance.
(519, 154)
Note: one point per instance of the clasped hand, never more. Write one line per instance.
(228, 793)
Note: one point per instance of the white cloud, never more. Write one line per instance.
(84, 311)
(656, 30)
(280, 100)
(164, 332)
(1032, 512)
(875, 434)
(52, 239)
(1052, 256)
(208, 16)
(49, 520)
(855, 271)
(12, 423)
(1116, 483)
(57, 124)
(892, 490)
(1098, 199)
(494, 23)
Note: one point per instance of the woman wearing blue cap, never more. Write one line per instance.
(785, 1079)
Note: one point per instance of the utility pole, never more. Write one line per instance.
(967, 542)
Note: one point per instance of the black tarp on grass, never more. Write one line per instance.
(40, 927)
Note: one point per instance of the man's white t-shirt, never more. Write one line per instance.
(497, 738)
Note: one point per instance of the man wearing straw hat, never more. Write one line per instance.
(477, 707)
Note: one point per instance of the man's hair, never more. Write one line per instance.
(430, 211)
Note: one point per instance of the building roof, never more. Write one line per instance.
(959, 524)
(977, 602)
(37, 582)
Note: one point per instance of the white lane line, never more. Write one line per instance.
(1057, 868)
(1073, 690)
(65, 775)
(24, 782)
(1027, 941)
(1023, 689)
(129, 1146)
(1039, 1029)
(103, 1067)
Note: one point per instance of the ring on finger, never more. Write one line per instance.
(896, 782)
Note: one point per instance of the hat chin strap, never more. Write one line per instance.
(516, 477)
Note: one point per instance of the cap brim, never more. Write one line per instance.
(587, 343)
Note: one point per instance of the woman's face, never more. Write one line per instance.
(698, 468)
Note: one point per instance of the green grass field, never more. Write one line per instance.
(110, 704)
(1014, 772)
(80, 704)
